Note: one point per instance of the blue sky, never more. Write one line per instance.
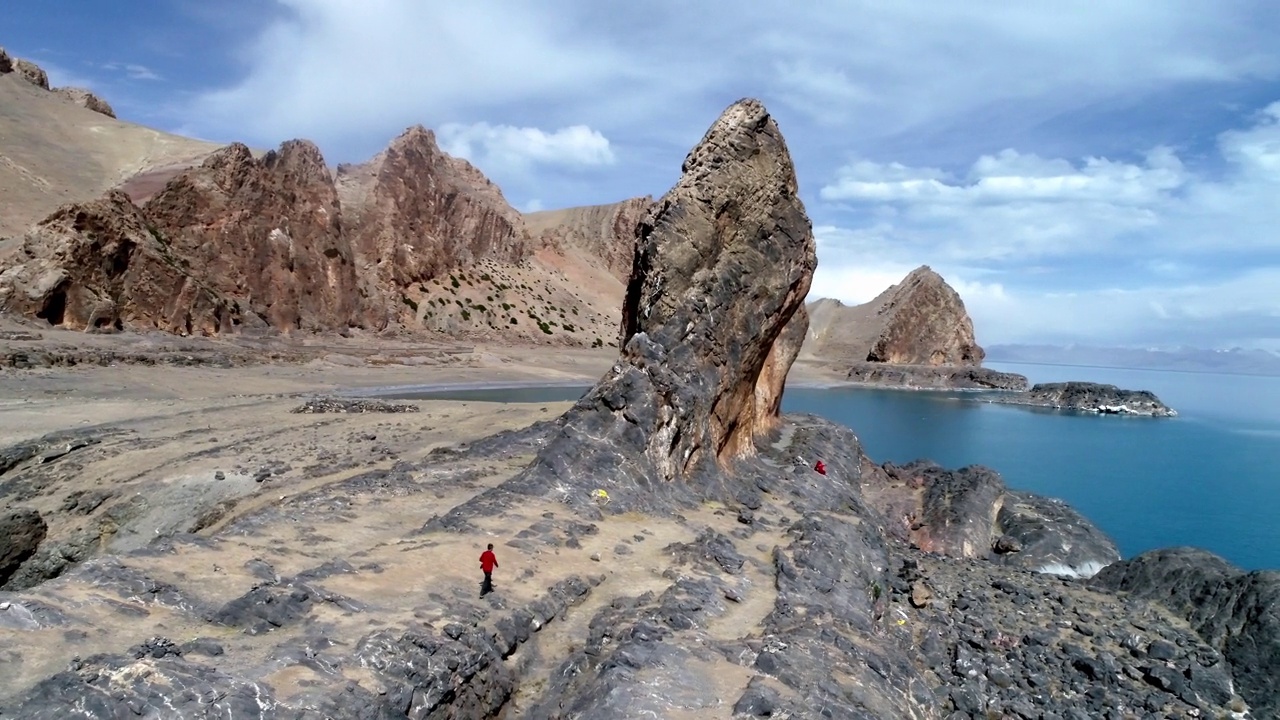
(1081, 171)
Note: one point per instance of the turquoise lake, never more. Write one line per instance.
(1208, 478)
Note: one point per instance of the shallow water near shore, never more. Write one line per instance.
(1208, 478)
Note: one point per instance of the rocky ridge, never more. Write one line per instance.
(34, 74)
(739, 580)
(934, 377)
(604, 232)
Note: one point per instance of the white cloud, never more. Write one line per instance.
(507, 147)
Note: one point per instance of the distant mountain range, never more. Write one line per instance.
(1236, 360)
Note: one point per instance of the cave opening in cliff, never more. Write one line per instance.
(55, 306)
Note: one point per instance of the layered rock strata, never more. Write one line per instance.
(1090, 397)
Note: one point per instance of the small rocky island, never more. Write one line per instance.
(1090, 397)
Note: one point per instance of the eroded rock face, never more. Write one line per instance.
(1234, 611)
(721, 267)
(101, 265)
(31, 72)
(413, 212)
(924, 323)
(920, 321)
(607, 232)
(6, 62)
(970, 513)
(265, 232)
(87, 100)
(723, 263)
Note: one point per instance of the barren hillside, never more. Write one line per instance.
(53, 151)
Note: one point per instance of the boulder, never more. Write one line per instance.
(6, 62)
(265, 232)
(31, 72)
(87, 100)
(21, 532)
(101, 265)
(413, 212)
(1230, 609)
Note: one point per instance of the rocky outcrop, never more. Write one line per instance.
(722, 264)
(1234, 611)
(607, 232)
(21, 532)
(101, 265)
(969, 513)
(413, 212)
(86, 99)
(919, 321)
(6, 62)
(1090, 397)
(923, 322)
(31, 72)
(935, 377)
(266, 233)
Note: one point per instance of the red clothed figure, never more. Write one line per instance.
(820, 468)
(488, 561)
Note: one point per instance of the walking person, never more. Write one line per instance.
(488, 561)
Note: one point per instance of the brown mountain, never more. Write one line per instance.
(100, 264)
(919, 321)
(63, 146)
(266, 232)
(413, 213)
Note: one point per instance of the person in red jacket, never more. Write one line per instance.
(820, 468)
(488, 561)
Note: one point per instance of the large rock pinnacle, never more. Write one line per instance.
(722, 265)
(724, 261)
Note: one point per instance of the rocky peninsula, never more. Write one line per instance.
(1091, 398)
(665, 548)
(914, 335)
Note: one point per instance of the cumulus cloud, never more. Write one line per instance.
(504, 146)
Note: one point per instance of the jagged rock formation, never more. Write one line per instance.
(1090, 397)
(919, 321)
(266, 232)
(32, 73)
(413, 212)
(87, 100)
(6, 62)
(100, 265)
(935, 377)
(607, 232)
(1234, 611)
